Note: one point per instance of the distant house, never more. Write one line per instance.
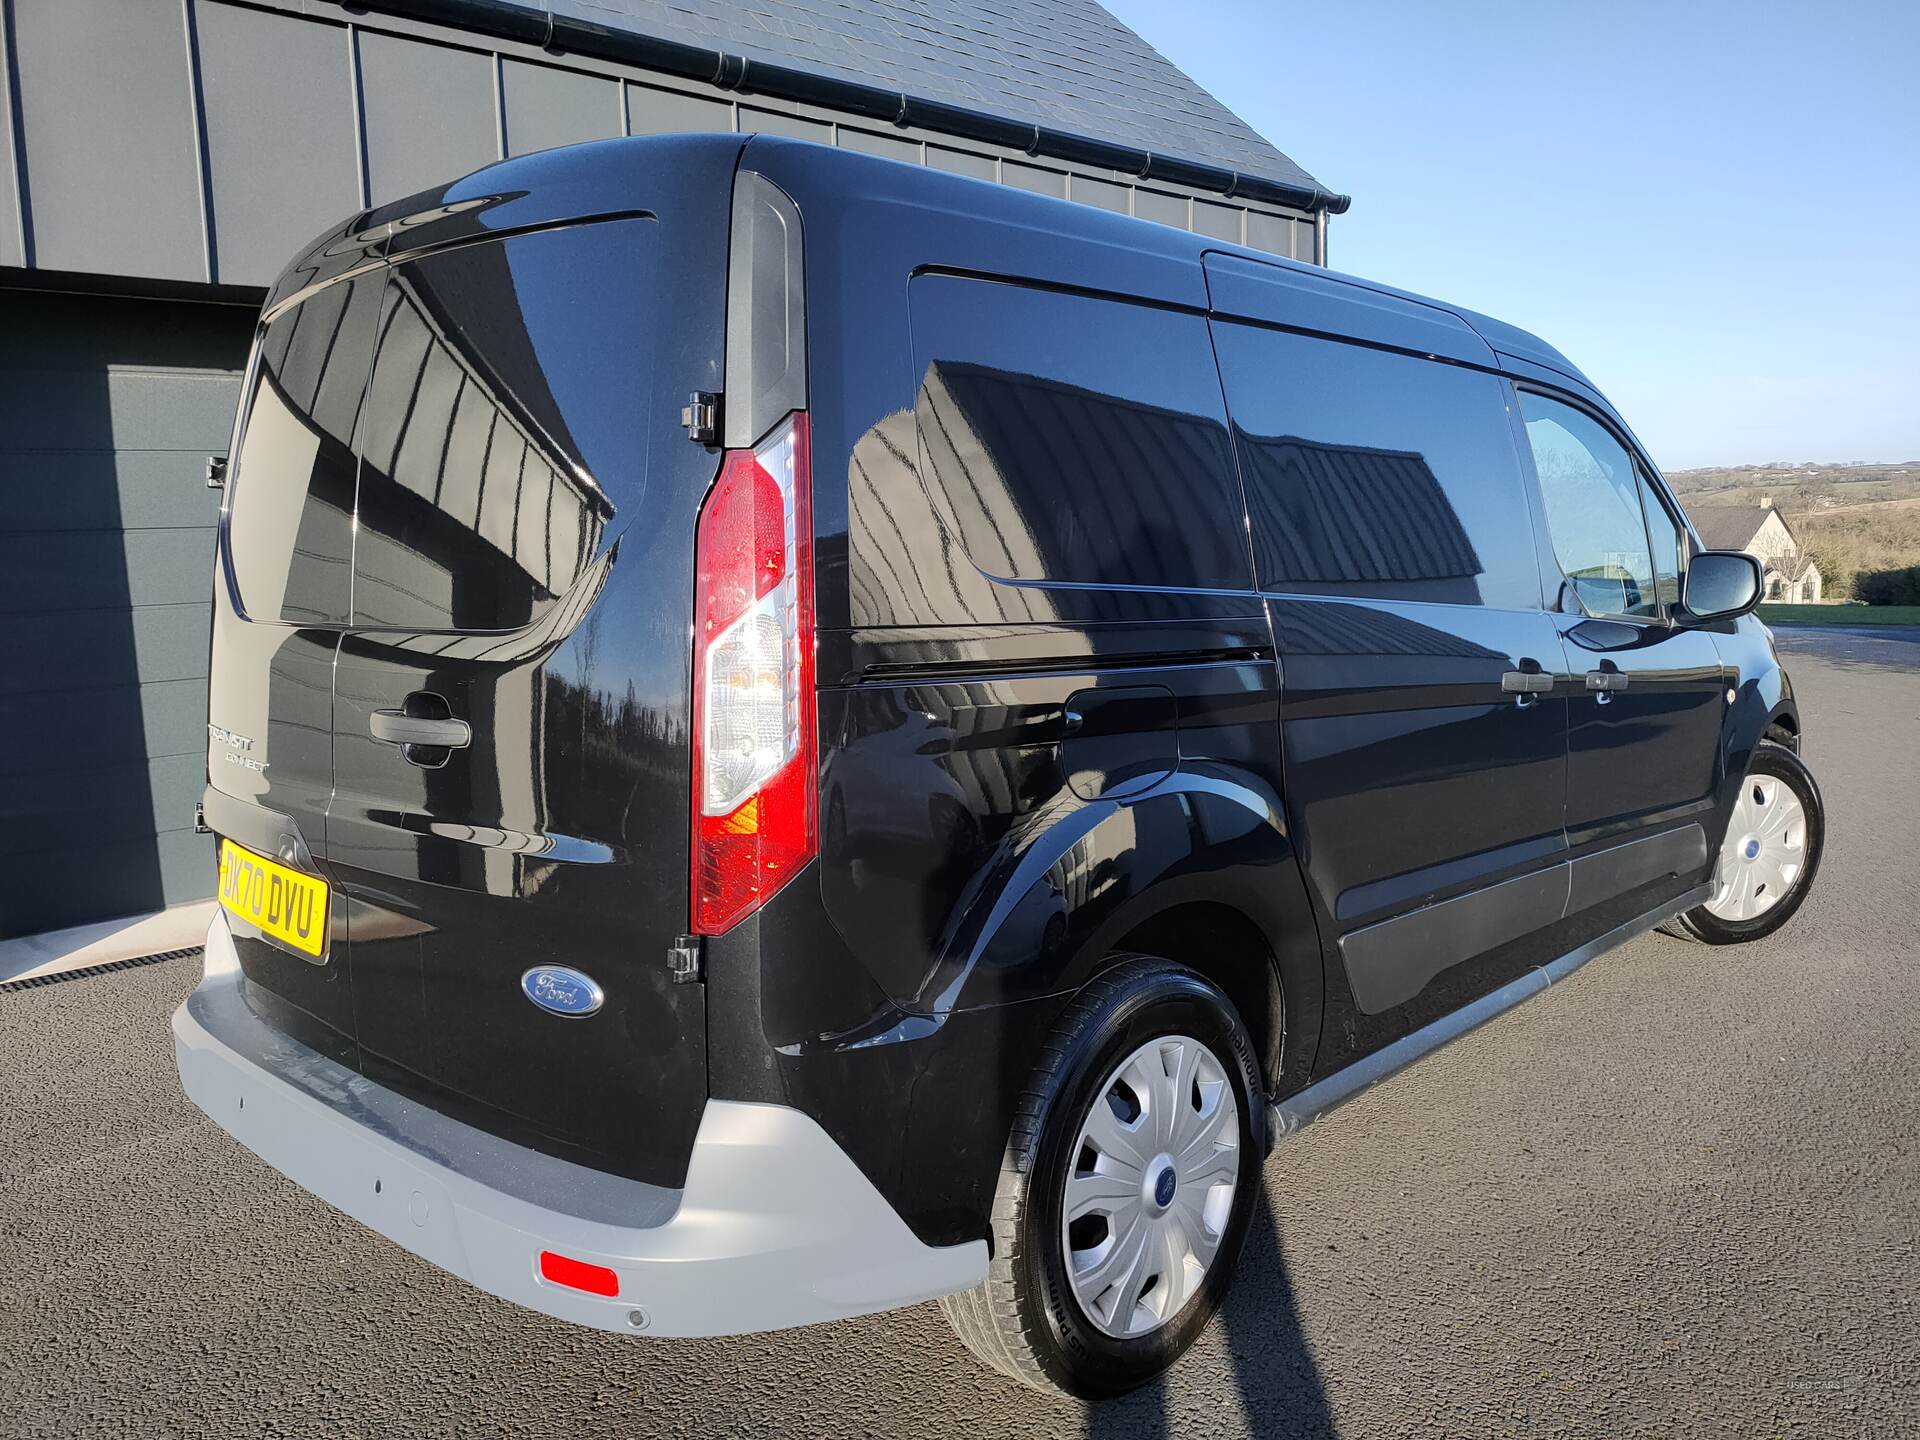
(1763, 533)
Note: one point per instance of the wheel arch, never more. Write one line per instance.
(1201, 872)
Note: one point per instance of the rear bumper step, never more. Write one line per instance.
(775, 1227)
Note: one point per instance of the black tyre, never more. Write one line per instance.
(1149, 1064)
(1770, 855)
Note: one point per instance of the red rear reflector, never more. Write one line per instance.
(578, 1275)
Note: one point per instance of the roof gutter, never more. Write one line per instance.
(535, 25)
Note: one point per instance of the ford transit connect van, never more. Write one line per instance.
(793, 734)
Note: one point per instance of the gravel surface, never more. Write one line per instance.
(1678, 1194)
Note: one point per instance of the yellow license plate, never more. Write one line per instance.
(283, 903)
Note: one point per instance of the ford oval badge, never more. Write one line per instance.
(562, 990)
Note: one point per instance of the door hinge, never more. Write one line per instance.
(701, 416)
(216, 472)
(684, 961)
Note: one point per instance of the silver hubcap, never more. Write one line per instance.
(1765, 851)
(1151, 1187)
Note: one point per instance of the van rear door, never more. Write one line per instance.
(281, 596)
(511, 701)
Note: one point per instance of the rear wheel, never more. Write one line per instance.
(1769, 857)
(1128, 1181)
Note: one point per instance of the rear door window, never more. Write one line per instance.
(1372, 474)
(507, 424)
(1070, 439)
(290, 515)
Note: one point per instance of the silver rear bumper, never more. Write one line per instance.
(775, 1226)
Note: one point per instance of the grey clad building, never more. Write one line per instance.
(165, 157)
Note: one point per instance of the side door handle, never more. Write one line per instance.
(1526, 686)
(396, 727)
(1604, 683)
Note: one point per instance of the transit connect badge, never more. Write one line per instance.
(562, 990)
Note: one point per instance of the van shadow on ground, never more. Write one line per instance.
(1276, 1379)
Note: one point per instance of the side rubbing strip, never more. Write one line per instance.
(1620, 868)
(1391, 962)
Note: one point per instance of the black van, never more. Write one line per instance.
(793, 734)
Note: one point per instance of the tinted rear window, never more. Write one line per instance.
(1071, 439)
(290, 521)
(1371, 473)
(506, 427)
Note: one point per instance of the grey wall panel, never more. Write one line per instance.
(1222, 222)
(430, 114)
(547, 107)
(1158, 206)
(653, 111)
(60, 331)
(101, 805)
(104, 599)
(887, 147)
(116, 725)
(106, 117)
(83, 570)
(777, 122)
(163, 642)
(1098, 193)
(107, 490)
(51, 889)
(145, 409)
(962, 162)
(1032, 177)
(1273, 233)
(281, 152)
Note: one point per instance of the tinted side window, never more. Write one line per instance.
(1070, 439)
(1592, 492)
(507, 424)
(1376, 474)
(290, 526)
(1669, 545)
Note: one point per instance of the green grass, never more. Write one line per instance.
(1840, 614)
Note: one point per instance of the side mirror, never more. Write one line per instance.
(1721, 585)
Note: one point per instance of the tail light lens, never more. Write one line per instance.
(755, 801)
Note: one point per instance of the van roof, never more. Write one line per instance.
(611, 176)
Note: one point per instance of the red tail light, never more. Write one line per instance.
(755, 781)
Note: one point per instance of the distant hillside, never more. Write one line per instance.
(1799, 489)
(1854, 521)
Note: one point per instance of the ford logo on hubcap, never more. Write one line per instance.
(562, 990)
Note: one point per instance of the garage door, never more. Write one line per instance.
(108, 410)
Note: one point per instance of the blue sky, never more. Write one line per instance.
(1714, 209)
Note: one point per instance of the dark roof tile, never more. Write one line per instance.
(1066, 64)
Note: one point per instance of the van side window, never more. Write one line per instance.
(1669, 538)
(1375, 474)
(290, 525)
(1592, 492)
(507, 425)
(1066, 438)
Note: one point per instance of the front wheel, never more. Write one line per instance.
(1127, 1186)
(1769, 857)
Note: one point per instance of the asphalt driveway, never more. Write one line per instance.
(1679, 1194)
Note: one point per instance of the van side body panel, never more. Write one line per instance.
(1019, 771)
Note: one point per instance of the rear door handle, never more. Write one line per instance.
(396, 727)
(1526, 682)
